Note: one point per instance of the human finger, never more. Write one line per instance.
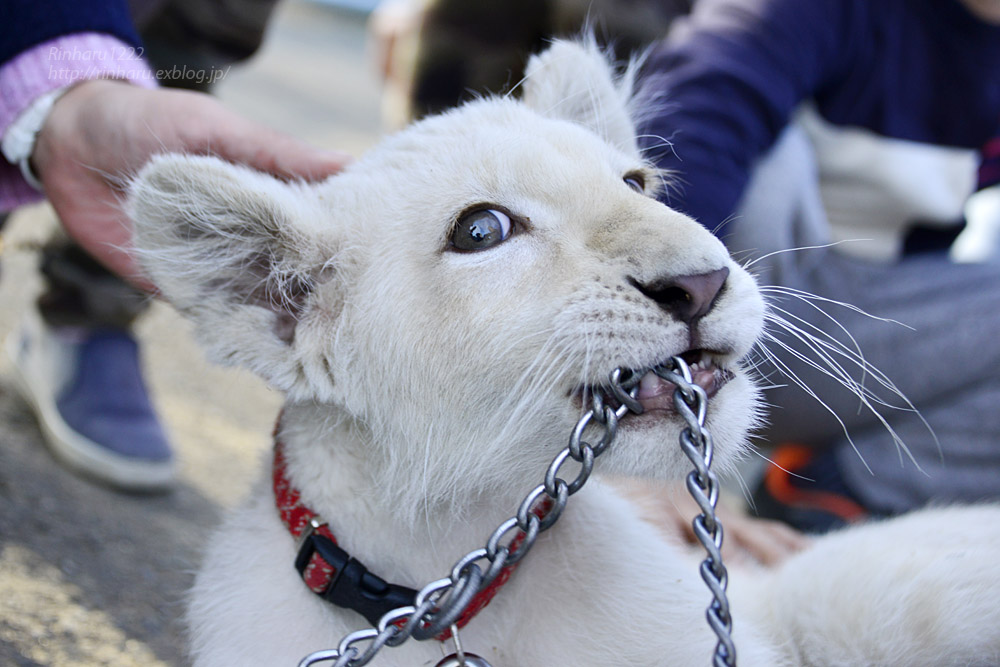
(277, 153)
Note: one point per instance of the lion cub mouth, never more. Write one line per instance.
(657, 395)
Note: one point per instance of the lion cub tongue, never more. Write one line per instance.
(655, 393)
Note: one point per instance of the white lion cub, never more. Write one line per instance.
(436, 315)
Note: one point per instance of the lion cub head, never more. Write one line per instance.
(456, 292)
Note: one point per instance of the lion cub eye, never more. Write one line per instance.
(636, 182)
(481, 229)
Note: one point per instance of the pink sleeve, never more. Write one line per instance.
(54, 64)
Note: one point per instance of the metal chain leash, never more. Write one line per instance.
(696, 442)
(440, 603)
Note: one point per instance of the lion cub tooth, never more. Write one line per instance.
(651, 385)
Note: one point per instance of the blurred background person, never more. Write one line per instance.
(435, 54)
(861, 130)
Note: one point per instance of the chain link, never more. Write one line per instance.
(439, 604)
(691, 403)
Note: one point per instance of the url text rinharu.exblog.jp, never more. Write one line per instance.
(173, 74)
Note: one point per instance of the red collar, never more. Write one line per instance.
(334, 575)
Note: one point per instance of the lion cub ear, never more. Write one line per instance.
(576, 81)
(239, 253)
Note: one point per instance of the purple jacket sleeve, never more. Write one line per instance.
(725, 84)
(51, 65)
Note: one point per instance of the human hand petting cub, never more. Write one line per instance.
(101, 132)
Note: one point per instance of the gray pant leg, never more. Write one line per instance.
(965, 469)
(942, 337)
(947, 364)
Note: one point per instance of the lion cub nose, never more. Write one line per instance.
(687, 298)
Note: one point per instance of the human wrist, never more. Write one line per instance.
(70, 121)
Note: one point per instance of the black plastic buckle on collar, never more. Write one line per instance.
(352, 585)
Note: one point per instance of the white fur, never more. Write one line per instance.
(428, 390)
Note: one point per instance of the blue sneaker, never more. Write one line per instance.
(86, 389)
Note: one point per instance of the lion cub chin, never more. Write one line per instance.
(438, 315)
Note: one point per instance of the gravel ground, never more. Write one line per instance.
(92, 577)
